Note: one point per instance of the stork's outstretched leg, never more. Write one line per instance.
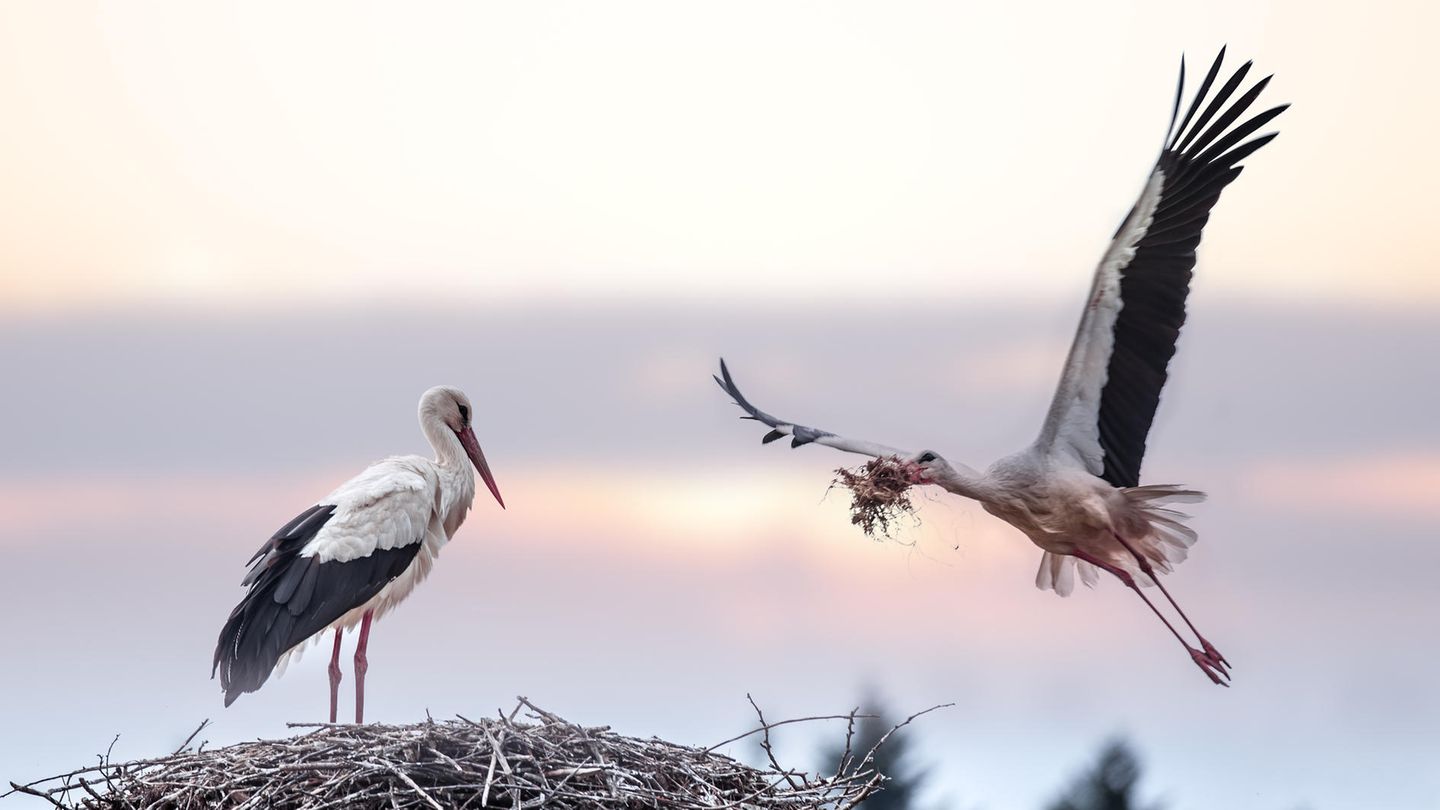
(361, 665)
(335, 677)
(1202, 659)
(1150, 572)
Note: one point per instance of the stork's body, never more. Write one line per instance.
(353, 556)
(1075, 492)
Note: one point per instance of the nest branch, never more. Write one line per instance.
(528, 759)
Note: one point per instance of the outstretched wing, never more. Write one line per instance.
(1111, 385)
(332, 558)
(799, 434)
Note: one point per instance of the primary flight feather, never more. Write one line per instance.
(1076, 491)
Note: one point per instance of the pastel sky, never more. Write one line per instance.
(259, 153)
(239, 242)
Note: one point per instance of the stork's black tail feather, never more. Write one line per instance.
(250, 642)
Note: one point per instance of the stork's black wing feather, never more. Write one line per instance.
(800, 434)
(1199, 161)
(291, 598)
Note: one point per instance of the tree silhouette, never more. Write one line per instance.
(1109, 785)
(895, 759)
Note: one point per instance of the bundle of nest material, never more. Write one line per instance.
(880, 494)
(538, 761)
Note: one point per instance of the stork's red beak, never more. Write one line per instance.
(477, 457)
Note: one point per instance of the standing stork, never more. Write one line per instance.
(356, 554)
(1075, 492)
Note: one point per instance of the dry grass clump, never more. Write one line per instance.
(880, 494)
(541, 761)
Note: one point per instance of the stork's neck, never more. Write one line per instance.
(457, 477)
(968, 483)
(448, 450)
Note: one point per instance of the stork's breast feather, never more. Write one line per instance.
(387, 506)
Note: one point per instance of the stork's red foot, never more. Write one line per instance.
(1211, 667)
(1213, 653)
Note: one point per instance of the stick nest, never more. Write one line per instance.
(880, 495)
(540, 761)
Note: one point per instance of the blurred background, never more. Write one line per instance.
(239, 241)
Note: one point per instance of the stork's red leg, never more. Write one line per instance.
(361, 665)
(1213, 669)
(335, 677)
(1150, 572)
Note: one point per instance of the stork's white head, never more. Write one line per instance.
(928, 467)
(446, 407)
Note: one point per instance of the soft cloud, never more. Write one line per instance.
(1028, 366)
(658, 562)
(1400, 485)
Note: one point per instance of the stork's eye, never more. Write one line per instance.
(465, 413)
(926, 457)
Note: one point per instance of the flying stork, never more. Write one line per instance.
(1076, 492)
(355, 554)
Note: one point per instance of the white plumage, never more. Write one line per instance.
(1070, 425)
(388, 506)
(355, 555)
(1075, 492)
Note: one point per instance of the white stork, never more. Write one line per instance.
(1075, 492)
(354, 555)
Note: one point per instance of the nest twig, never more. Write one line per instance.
(880, 495)
(541, 761)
